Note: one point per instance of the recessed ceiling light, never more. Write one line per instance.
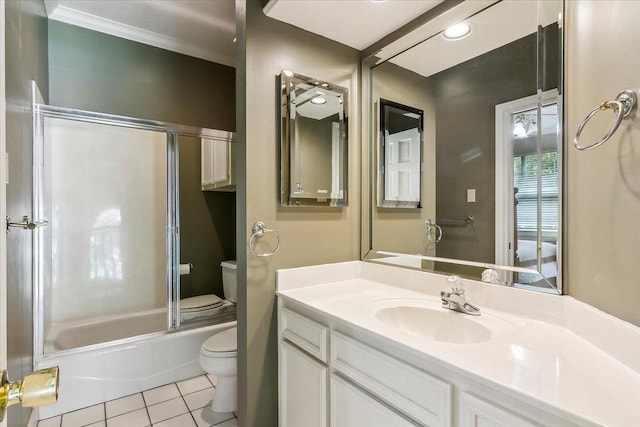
(318, 100)
(457, 32)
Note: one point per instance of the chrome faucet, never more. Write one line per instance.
(453, 298)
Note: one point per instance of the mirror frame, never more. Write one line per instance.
(392, 45)
(287, 80)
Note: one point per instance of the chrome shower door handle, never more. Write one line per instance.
(25, 224)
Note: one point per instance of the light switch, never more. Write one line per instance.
(471, 195)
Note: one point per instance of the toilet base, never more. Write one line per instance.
(225, 398)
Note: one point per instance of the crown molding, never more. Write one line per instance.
(67, 15)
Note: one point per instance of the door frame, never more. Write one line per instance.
(4, 173)
(504, 221)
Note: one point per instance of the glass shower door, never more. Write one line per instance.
(106, 252)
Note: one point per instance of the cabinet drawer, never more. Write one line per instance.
(307, 334)
(350, 407)
(476, 412)
(419, 395)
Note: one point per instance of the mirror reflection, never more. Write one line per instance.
(399, 155)
(313, 142)
(492, 151)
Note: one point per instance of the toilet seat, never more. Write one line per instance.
(222, 344)
(200, 303)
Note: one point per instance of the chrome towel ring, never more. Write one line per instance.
(623, 105)
(434, 232)
(258, 230)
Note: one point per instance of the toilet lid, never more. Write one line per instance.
(225, 341)
(200, 302)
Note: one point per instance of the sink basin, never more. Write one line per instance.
(438, 324)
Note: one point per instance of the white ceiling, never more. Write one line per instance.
(355, 23)
(490, 29)
(201, 28)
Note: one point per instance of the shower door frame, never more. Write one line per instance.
(172, 131)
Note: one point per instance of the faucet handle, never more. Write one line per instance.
(454, 285)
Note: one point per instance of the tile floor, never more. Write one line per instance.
(182, 404)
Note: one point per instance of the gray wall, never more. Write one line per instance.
(97, 72)
(308, 236)
(466, 96)
(26, 60)
(602, 267)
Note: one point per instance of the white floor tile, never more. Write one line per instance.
(205, 417)
(165, 410)
(213, 379)
(200, 399)
(194, 384)
(161, 394)
(163, 406)
(51, 422)
(229, 423)
(137, 418)
(184, 420)
(124, 405)
(83, 417)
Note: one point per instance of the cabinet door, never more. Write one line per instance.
(353, 408)
(206, 161)
(475, 412)
(220, 161)
(303, 389)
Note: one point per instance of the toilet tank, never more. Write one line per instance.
(229, 280)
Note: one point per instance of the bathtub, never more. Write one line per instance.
(99, 373)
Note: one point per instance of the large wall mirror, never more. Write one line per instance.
(490, 94)
(313, 149)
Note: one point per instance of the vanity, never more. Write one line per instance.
(364, 344)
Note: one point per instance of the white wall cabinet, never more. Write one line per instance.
(217, 164)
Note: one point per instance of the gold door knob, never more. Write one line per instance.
(36, 389)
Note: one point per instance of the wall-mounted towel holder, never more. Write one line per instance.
(258, 230)
(623, 106)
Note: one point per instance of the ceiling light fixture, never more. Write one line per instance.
(319, 100)
(457, 32)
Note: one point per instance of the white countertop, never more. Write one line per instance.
(553, 349)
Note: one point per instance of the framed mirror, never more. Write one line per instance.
(492, 149)
(313, 148)
(399, 155)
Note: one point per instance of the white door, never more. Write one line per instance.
(402, 166)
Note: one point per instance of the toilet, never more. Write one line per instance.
(203, 306)
(218, 354)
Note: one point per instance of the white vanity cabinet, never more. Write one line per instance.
(334, 374)
(217, 164)
(328, 378)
